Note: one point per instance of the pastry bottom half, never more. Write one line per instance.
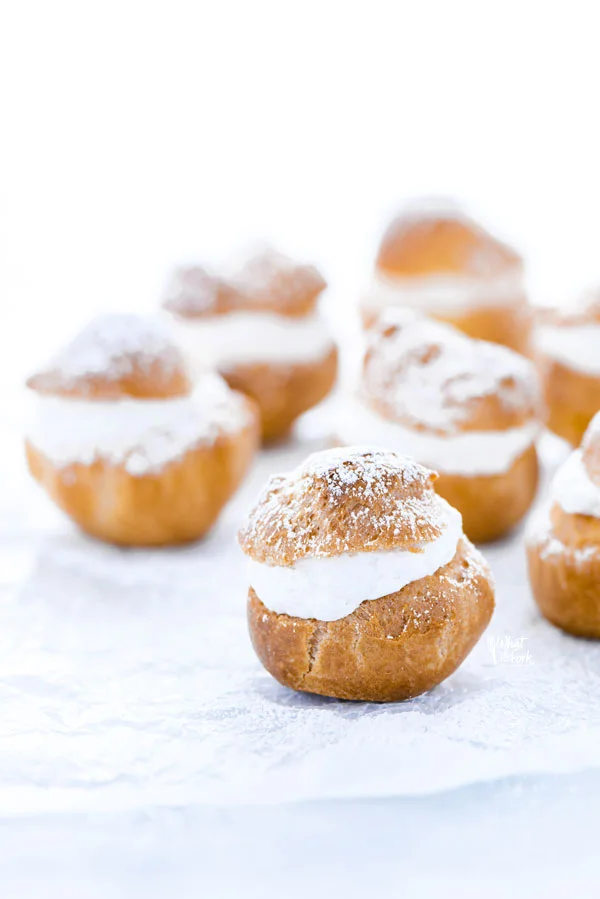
(283, 392)
(177, 504)
(572, 399)
(492, 505)
(388, 649)
(565, 582)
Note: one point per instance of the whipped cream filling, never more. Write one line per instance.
(442, 293)
(574, 346)
(573, 489)
(470, 453)
(252, 338)
(332, 587)
(142, 435)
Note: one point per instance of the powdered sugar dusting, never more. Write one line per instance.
(347, 499)
(430, 374)
(112, 346)
(542, 537)
(267, 280)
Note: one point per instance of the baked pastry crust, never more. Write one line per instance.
(343, 501)
(178, 504)
(572, 399)
(563, 548)
(120, 358)
(572, 396)
(267, 282)
(423, 243)
(563, 558)
(115, 357)
(388, 649)
(284, 392)
(493, 505)
(350, 501)
(431, 380)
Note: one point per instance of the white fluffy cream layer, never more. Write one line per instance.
(442, 293)
(333, 587)
(252, 338)
(472, 453)
(574, 346)
(573, 490)
(141, 435)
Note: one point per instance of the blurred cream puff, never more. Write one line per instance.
(437, 260)
(126, 446)
(563, 543)
(567, 349)
(259, 327)
(468, 409)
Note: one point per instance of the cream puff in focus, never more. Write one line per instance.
(436, 260)
(259, 327)
(563, 543)
(467, 408)
(567, 343)
(362, 583)
(126, 446)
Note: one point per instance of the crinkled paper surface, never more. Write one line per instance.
(127, 680)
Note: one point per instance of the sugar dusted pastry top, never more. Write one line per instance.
(116, 356)
(428, 376)
(119, 392)
(345, 500)
(266, 282)
(438, 239)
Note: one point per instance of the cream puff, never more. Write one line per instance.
(467, 408)
(563, 543)
(567, 345)
(125, 446)
(362, 583)
(258, 326)
(437, 260)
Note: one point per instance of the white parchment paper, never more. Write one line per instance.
(127, 680)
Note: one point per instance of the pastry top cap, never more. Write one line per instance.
(429, 376)
(266, 282)
(437, 238)
(344, 500)
(115, 356)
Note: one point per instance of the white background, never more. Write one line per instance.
(135, 134)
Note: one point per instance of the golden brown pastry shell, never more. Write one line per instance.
(509, 323)
(283, 392)
(177, 504)
(566, 585)
(492, 505)
(571, 397)
(388, 649)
